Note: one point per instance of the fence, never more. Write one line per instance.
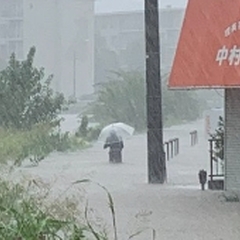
(216, 168)
(194, 137)
(171, 148)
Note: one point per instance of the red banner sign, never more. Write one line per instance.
(208, 52)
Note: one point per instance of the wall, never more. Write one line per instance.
(60, 30)
(40, 30)
(78, 42)
(123, 34)
(11, 30)
(232, 140)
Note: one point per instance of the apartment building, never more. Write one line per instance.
(123, 34)
(11, 29)
(62, 32)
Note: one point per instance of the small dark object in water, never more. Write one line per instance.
(202, 178)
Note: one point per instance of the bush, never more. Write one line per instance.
(28, 211)
(218, 138)
(83, 129)
(26, 96)
(64, 142)
(123, 99)
(36, 144)
(87, 133)
(93, 133)
(26, 215)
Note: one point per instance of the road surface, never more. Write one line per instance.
(177, 210)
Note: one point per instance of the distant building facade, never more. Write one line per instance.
(62, 32)
(123, 34)
(11, 29)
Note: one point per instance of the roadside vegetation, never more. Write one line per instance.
(30, 130)
(123, 99)
(29, 123)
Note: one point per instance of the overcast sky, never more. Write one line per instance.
(107, 6)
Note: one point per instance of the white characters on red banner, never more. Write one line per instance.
(232, 55)
(232, 28)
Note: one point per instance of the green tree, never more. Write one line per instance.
(2, 64)
(124, 99)
(104, 67)
(83, 129)
(26, 96)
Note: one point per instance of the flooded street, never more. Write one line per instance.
(88, 92)
(176, 210)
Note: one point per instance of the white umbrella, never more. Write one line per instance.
(122, 130)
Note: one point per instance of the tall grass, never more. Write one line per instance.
(28, 213)
(35, 144)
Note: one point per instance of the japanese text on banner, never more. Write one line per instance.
(232, 56)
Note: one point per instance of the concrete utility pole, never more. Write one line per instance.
(156, 155)
(74, 74)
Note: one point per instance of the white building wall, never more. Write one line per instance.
(119, 29)
(11, 23)
(78, 41)
(39, 30)
(54, 27)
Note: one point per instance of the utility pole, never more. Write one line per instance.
(156, 155)
(74, 75)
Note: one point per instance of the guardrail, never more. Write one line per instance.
(194, 137)
(171, 148)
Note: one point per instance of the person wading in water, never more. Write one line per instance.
(115, 144)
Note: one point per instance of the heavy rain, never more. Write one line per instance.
(119, 119)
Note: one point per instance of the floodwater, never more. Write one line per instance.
(176, 210)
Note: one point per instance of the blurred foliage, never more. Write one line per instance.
(87, 133)
(93, 133)
(35, 144)
(124, 99)
(65, 142)
(218, 138)
(180, 105)
(102, 68)
(30, 211)
(2, 64)
(25, 95)
(28, 114)
(83, 127)
(27, 213)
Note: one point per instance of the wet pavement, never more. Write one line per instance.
(177, 210)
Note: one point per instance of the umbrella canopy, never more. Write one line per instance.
(122, 130)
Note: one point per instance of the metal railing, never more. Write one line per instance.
(194, 137)
(171, 148)
(216, 170)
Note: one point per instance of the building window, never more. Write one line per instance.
(3, 52)
(12, 8)
(3, 31)
(15, 29)
(19, 8)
